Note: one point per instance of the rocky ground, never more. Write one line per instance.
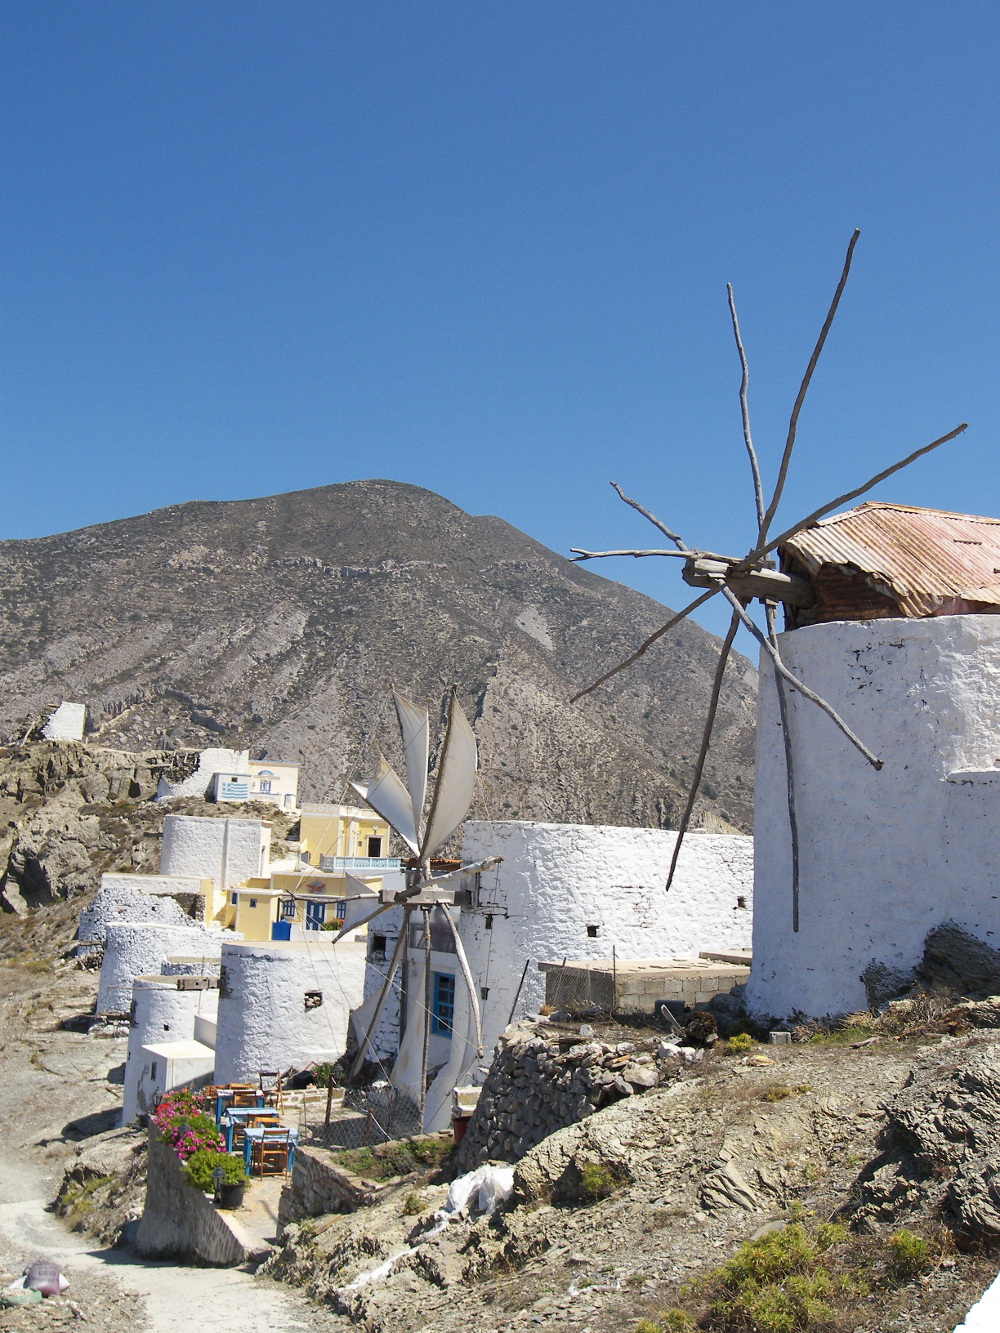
(619, 1218)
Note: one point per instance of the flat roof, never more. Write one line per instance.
(181, 1050)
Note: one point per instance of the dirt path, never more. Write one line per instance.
(171, 1298)
(56, 1087)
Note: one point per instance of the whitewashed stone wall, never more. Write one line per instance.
(263, 1018)
(558, 879)
(197, 783)
(125, 898)
(226, 851)
(66, 723)
(884, 856)
(160, 1013)
(138, 949)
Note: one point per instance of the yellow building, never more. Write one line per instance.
(330, 833)
(291, 906)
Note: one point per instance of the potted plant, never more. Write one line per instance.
(218, 1172)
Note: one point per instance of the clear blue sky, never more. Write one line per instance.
(257, 246)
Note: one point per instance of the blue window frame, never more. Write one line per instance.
(288, 909)
(443, 1003)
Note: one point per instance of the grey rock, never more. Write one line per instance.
(959, 961)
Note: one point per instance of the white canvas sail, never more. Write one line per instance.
(386, 794)
(414, 727)
(455, 784)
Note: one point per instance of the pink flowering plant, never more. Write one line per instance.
(185, 1126)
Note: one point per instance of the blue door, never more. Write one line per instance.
(315, 915)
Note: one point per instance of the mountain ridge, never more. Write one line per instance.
(279, 622)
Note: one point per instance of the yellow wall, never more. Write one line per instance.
(341, 831)
(255, 909)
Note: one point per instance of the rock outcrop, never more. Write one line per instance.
(941, 1146)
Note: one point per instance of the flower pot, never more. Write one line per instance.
(231, 1196)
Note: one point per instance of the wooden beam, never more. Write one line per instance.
(767, 584)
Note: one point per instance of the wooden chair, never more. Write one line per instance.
(270, 1088)
(270, 1153)
(244, 1094)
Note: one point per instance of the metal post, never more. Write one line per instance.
(517, 994)
(329, 1098)
(614, 980)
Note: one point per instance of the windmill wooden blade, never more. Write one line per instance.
(647, 643)
(456, 781)
(383, 993)
(706, 740)
(356, 925)
(414, 727)
(803, 390)
(470, 985)
(386, 794)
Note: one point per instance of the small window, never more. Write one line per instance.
(374, 846)
(288, 798)
(234, 898)
(313, 999)
(152, 1070)
(592, 932)
(253, 903)
(741, 901)
(484, 992)
(443, 1004)
(378, 946)
(288, 910)
(489, 923)
(265, 784)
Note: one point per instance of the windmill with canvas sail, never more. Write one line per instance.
(740, 580)
(402, 804)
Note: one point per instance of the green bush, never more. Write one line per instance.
(412, 1204)
(598, 1181)
(739, 1043)
(199, 1167)
(909, 1255)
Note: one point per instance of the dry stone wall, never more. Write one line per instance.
(544, 1078)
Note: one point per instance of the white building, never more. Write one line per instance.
(227, 851)
(210, 762)
(269, 780)
(164, 1050)
(135, 949)
(562, 890)
(67, 723)
(884, 856)
(285, 1004)
(579, 891)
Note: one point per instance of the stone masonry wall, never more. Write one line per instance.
(319, 1186)
(543, 1078)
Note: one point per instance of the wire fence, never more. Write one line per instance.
(582, 989)
(356, 1117)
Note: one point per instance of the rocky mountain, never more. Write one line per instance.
(278, 624)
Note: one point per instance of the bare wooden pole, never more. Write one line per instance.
(794, 681)
(427, 1012)
(671, 536)
(706, 740)
(383, 992)
(793, 824)
(579, 554)
(793, 422)
(817, 514)
(648, 643)
(758, 489)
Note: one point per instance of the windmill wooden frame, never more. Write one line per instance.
(402, 805)
(742, 579)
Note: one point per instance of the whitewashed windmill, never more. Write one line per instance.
(741, 579)
(402, 805)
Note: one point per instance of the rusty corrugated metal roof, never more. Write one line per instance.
(927, 560)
